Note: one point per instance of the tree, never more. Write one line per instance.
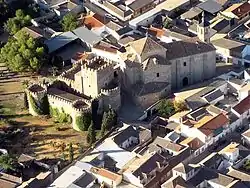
(180, 106)
(13, 25)
(7, 162)
(109, 120)
(91, 136)
(25, 101)
(246, 165)
(83, 121)
(166, 108)
(23, 53)
(69, 22)
(104, 126)
(113, 118)
(71, 152)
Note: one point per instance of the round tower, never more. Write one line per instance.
(79, 107)
(35, 95)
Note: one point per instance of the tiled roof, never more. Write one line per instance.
(240, 10)
(206, 174)
(105, 173)
(214, 124)
(156, 31)
(92, 22)
(180, 49)
(145, 45)
(193, 143)
(125, 134)
(243, 105)
(149, 165)
(167, 144)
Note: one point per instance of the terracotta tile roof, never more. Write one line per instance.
(193, 143)
(214, 124)
(240, 9)
(156, 31)
(105, 173)
(106, 47)
(92, 22)
(80, 56)
(243, 105)
(189, 122)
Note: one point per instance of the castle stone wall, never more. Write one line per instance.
(110, 98)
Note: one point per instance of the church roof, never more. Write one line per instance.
(145, 45)
(181, 49)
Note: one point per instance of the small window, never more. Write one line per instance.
(157, 74)
(184, 64)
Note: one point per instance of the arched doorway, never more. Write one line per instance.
(185, 81)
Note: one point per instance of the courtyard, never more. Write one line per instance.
(41, 137)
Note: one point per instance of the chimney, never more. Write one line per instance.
(158, 165)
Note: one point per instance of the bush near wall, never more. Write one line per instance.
(35, 106)
(83, 122)
(60, 116)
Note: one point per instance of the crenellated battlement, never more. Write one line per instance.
(37, 89)
(55, 98)
(69, 75)
(97, 63)
(80, 106)
(115, 90)
(64, 79)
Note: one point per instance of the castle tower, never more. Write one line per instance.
(203, 31)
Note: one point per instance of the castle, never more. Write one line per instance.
(146, 69)
(73, 91)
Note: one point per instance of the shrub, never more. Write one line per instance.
(35, 106)
(180, 106)
(83, 121)
(166, 108)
